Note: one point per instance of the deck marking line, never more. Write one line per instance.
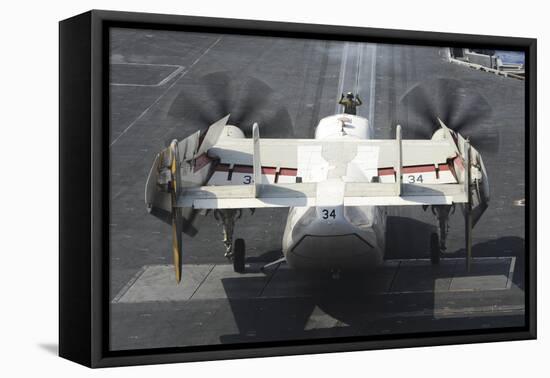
(165, 92)
(129, 284)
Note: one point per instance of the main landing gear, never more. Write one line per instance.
(239, 256)
(235, 252)
(435, 249)
(438, 241)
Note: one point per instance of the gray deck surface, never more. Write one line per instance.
(158, 100)
(155, 283)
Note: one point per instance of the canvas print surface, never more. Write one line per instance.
(279, 189)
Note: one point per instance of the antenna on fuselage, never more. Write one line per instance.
(343, 121)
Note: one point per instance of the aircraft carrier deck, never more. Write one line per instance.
(156, 95)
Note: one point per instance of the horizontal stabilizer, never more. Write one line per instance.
(304, 195)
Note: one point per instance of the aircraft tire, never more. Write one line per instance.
(435, 251)
(239, 256)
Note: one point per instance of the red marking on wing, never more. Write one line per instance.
(458, 162)
(243, 169)
(412, 169)
(201, 161)
(419, 169)
(453, 164)
(222, 168)
(386, 172)
(288, 172)
(247, 169)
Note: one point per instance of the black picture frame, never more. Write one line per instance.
(83, 182)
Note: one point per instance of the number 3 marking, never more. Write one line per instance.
(247, 179)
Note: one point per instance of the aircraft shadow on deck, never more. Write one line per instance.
(351, 307)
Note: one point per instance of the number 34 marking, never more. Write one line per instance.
(412, 179)
(328, 214)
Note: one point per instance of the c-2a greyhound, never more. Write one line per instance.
(337, 187)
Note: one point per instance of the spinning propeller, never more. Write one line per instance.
(247, 100)
(461, 108)
(175, 171)
(219, 94)
(466, 112)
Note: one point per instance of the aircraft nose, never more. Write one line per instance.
(326, 252)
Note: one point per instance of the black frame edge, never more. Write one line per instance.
(317, 348)
(100, 191)
(531, 170)
(316, 31)
(75, 294)
(83, 339)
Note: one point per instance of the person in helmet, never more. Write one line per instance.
(350, 103)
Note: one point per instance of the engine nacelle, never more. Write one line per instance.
(343, 124)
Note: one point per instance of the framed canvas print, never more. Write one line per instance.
(233, 188)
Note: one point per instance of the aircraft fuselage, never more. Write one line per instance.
(330, 235)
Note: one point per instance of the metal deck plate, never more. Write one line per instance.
(156, 283)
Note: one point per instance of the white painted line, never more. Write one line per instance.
(511, 273)
(438, 313)
(165, 92)
(455, 258)
(372, 89)
(372, 84)
(129, 284)
(474, 311)
(143, 64)
(157, 284)
(170, 76)
(360, 47)
(202, 282)
(343, 64)
(395, 271)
